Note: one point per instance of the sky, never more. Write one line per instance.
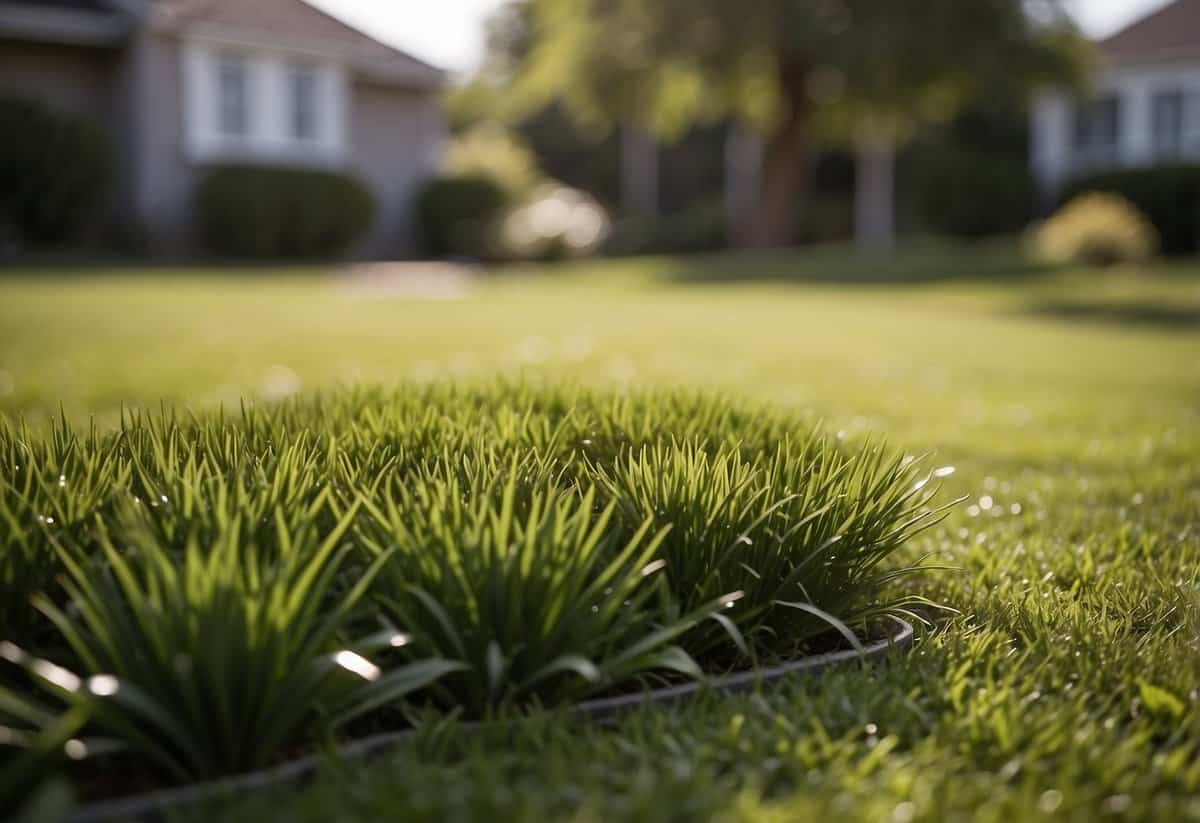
(449, 33)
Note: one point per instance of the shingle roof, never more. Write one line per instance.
(296, 20)
(1173, 29)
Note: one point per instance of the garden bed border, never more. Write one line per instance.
(153, 805)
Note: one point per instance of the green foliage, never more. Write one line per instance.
(271, 212)
(55, 171)
(781, 538)
(518, 545)
(964, 193)
(700, 228)
(1168, 195)
(1096, 229)
(675, 63)
(211, 659)
(524, 582)
(459, 215)
(491, 150)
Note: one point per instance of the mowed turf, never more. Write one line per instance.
(1069, 404)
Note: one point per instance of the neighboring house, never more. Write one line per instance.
(1143, 108)
(183, 84)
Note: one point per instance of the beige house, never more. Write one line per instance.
(183, 84)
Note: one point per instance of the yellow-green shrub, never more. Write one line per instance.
(1096, 228)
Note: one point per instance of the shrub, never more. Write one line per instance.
(556, 222)
(458, 215)
(269, 212)
(1169, 197)
(491, 150)
(54, 173)
(700, 228)
(963, 193)
(1096, 229)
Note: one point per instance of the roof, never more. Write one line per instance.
(1170, 31)
(298, 24)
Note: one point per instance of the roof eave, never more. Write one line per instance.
(25, 21)
(1178, 54)
(398, 70)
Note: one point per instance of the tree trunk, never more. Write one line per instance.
(875, 195)
(742, 177)
(639, 172)
(774, 219)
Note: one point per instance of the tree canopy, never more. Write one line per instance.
(797, 70)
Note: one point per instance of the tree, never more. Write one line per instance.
(800, 71)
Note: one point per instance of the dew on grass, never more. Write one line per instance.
(62, 481)
(75, 749)
(64, 679)
(986, 502)
(103, 685)
(1015, 508)
(356, 663)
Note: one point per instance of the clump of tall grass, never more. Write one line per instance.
(525, 582)
(215, 590)
(213, 659)
(793, 540)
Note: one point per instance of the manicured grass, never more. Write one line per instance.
(1065, 687)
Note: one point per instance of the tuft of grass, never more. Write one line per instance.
(213, 659)
(791, 541)
(217, 590)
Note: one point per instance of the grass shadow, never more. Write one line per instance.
(1140, 313)
(842, 265)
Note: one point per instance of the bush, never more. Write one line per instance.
(555, 223)
(1096, 229)
(969, 194)
(54, 173)
(1169, 196)
(458, 215)
(270, 212)
(489, 149)
(698, 229)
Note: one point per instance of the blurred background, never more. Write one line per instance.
(204, 200)
(543, 129)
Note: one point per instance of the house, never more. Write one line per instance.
(181, 85)
(1143, 108)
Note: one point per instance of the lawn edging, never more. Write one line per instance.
(156, 803)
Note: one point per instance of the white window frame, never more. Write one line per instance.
(304, 116)
(269, 136)
(228, 66)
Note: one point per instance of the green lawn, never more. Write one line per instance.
(1069, 403)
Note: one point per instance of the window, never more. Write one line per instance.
(1167, 113)
(1097, 127)
(233, 103)
(265, 105)
(302, 94)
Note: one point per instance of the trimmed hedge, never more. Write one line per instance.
(968, 193)
(1169, 196)
(457, 215)
(275, 212)
(55, 171)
